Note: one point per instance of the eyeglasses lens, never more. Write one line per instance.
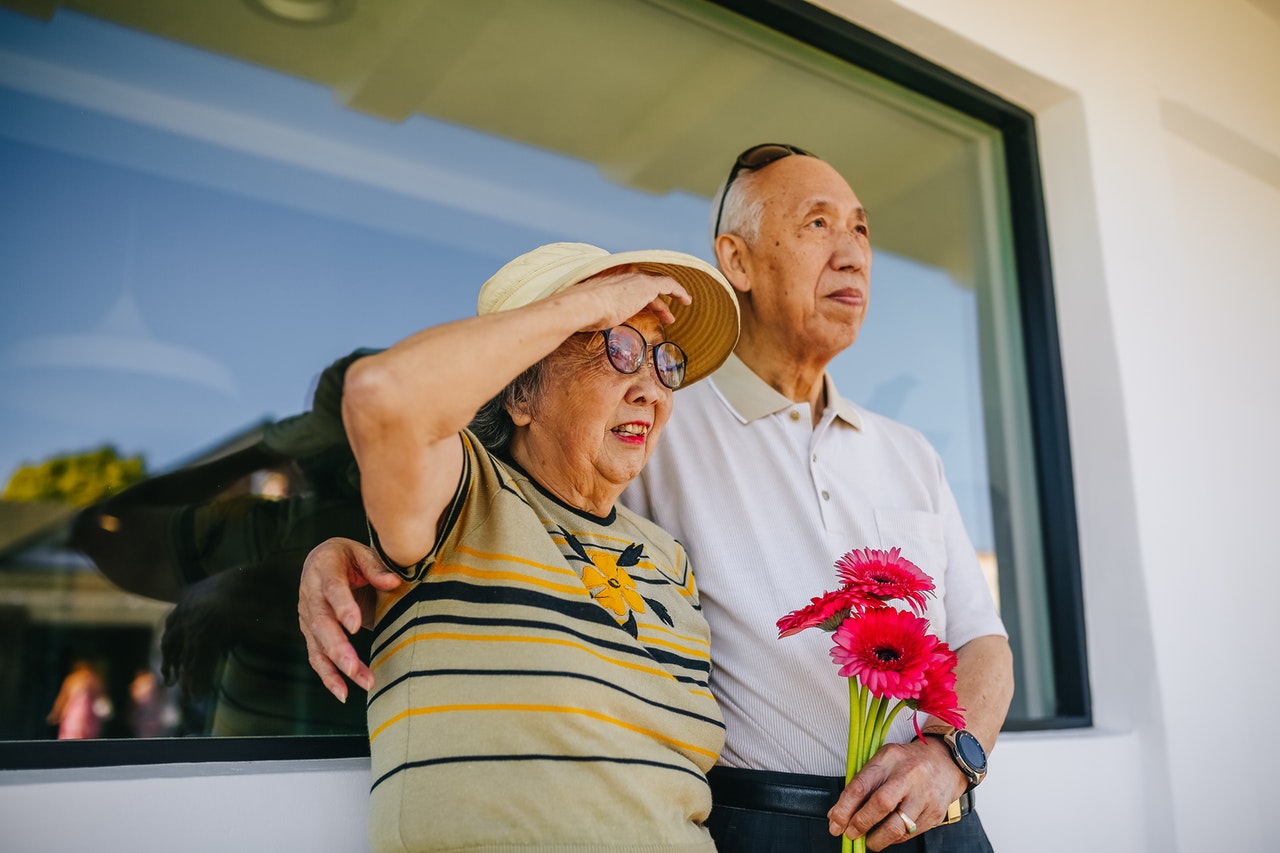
(669, 359)
(626, 347)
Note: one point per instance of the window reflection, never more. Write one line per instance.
(183, 275)
(222, 539)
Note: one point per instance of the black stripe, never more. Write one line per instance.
(629, 649)
(547, 673)
(464, 591)
(665, 657)
(475, 759)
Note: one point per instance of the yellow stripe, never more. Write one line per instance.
(681, 637)
(385, 600)
(509, 558)
(520, 577)
(555, 709)
(592, 534)
(499, 638)
(654, 641)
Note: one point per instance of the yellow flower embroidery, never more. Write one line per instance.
(610, 585)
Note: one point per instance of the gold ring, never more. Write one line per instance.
(907, 822)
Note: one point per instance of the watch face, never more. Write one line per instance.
(971, 751)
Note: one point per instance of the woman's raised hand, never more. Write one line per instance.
(615, 296)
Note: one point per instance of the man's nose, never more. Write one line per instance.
(851, 253)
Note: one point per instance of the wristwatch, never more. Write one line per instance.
(967, 752)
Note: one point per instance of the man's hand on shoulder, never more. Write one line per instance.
(336, 597)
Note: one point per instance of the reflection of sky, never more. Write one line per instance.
(186, 240)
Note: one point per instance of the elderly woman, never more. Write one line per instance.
(542, 681)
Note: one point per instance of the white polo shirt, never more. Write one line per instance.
(765, 503)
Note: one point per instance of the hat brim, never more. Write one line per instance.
(706, 329)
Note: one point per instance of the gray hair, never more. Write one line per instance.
(743, 208)
(493, 424)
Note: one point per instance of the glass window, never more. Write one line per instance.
(202, 212)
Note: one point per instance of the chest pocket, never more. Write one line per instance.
(919, 535)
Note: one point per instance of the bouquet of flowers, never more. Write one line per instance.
(890, 658)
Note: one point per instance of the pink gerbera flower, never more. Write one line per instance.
(826, 611)
(938, 696)
(887, 650)
(885, 575)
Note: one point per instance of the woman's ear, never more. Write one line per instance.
(734, 261)
(520, 412)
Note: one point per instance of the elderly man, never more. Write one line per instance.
(767, 475)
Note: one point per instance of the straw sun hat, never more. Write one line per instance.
(706, 330)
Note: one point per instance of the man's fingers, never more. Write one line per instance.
(331, 654)
(329, 644)
(852, 799)
(900, 777)
(374, 570)
(334, 601)
(329, 675)
(878, 820)
(337, 598)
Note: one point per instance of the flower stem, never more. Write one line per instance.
(857, 714)
(855, 757)
(869, 744)
(879, 726)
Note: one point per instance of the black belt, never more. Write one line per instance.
(791, 793)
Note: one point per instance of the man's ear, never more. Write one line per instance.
(732, 258)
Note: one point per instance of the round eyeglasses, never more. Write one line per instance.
(625, 348)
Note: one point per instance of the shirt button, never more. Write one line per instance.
(795, 416)
(815, 457)
(826, 496)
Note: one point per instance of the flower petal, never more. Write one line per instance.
(886, 649)
(826, 612)
(886, 576)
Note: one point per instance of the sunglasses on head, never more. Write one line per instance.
(755, 157)
(625, 348)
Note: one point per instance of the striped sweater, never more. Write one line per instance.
(541, 683)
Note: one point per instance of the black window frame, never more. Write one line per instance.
(851, 43)
(1050, 440)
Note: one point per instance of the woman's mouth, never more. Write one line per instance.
(632, 433)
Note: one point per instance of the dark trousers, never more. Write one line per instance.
(752, 830)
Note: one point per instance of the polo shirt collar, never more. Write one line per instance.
(751, 398)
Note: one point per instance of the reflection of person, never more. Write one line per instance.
(230, 560)
(150, 714)
(773, 475)
(81, 704)
(541, 680)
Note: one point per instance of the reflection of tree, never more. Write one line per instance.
(75, 478)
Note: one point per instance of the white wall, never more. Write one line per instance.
(268, 806)
(1159, 125)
